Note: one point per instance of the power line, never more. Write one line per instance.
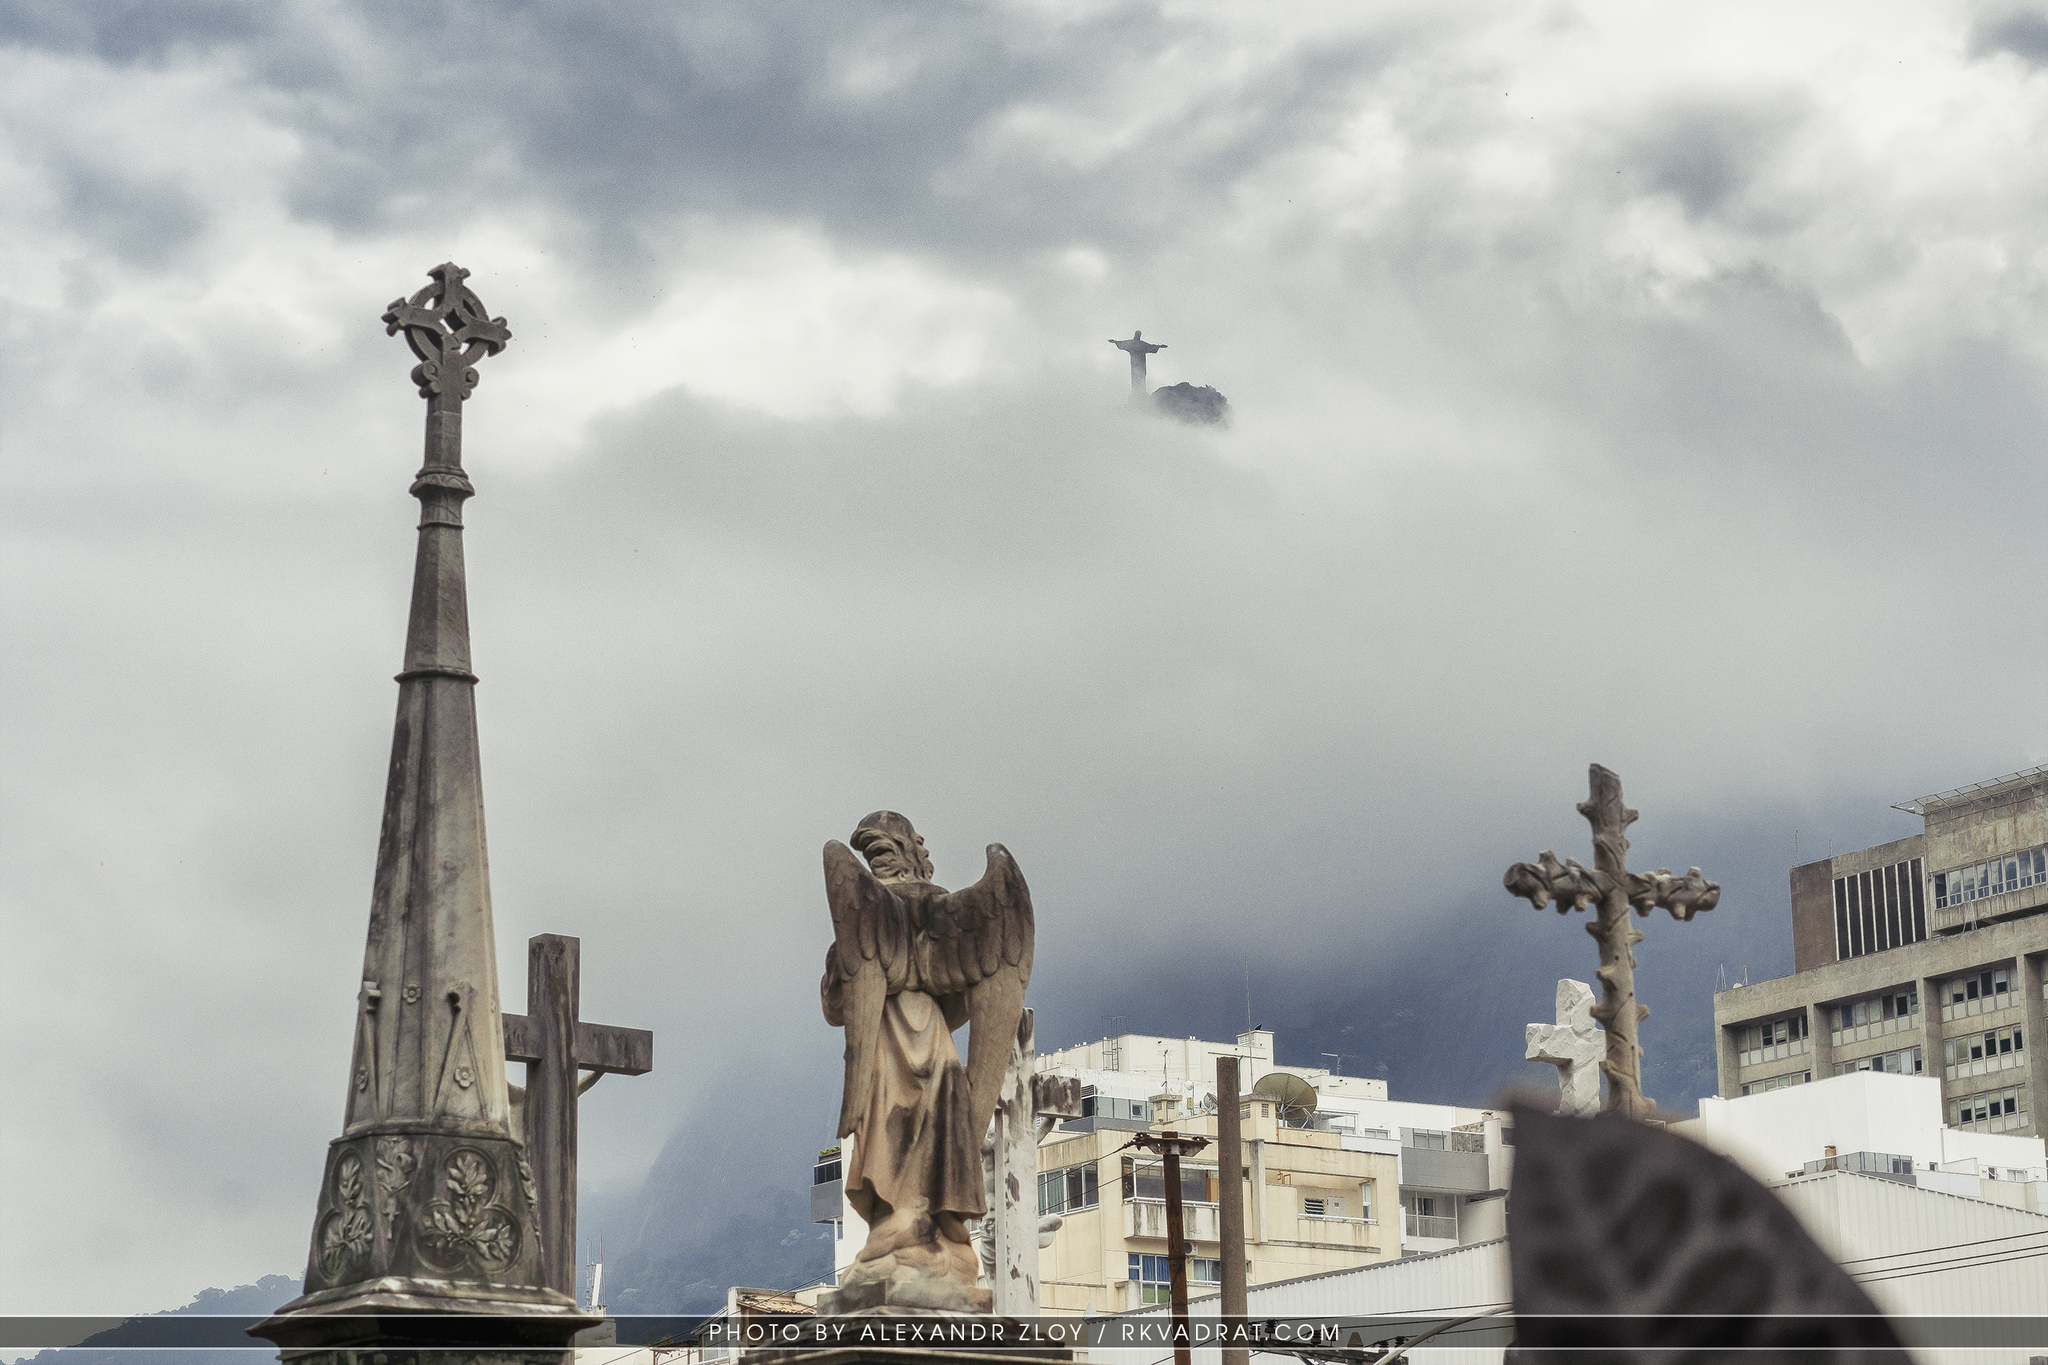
(2002, 1259)
(1945, 1246)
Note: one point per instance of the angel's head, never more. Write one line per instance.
(895, 851)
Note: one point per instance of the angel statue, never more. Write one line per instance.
(910, 962)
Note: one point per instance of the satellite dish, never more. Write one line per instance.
(1295, 1096)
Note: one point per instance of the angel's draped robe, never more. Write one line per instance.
(917, 1132)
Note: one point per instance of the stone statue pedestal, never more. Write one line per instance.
(900, 1295)
(899, 1336)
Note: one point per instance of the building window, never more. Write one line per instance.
(827, 1169)
(1993, 1104)
(1154, 1275)
(1976, 1047)
(1904, 1062)
(1113, 1106)
(1430, 1216)
(1982, 986)
(1064, 1191)
(1885, 907)
(1773, 1040)
(1992, 878)
(1777, 1083)
(1147, 1180)
(1876, 1009)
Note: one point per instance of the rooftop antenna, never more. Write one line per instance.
(1247, 995)
(1795, 845)
(1337, 1059)
(597, 1278)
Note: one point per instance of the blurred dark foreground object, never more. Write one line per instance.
(1643, 1246)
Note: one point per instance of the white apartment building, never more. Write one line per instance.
(1339, 1176)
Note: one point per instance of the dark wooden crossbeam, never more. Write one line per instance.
(556, 1045)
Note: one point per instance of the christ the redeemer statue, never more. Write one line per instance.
(1139, 348)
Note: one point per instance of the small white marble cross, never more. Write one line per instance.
(1574, 1045)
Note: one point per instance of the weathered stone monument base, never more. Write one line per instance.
(386, 1355)
(429, 1201)
(403, 1320)
(928, 1355)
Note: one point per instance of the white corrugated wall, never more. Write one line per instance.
(1918, 1252)
(1926, 1252)
(1473, 1278)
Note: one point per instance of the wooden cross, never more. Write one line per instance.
(1615, 889)
(555, 1045)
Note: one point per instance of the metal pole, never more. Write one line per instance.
(1230, 1201)
(1177, 1250)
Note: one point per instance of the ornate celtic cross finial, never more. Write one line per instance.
(449, 329)
(1614, 889)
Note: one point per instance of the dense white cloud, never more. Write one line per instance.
(1656, 385)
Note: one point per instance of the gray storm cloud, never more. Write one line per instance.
(1602, 388)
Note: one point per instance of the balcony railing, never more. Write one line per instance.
(1439, 1140)
(1427, 1225)
(1147, 1218)
(1323, 1230)
(1869, 1163)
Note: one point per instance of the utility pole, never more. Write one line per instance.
(1230, 1201)
(1172, 1146)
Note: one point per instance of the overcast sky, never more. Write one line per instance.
(1651, 384)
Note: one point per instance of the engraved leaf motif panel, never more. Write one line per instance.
(344, 1238)
(467, 1228)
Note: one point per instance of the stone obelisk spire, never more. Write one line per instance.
(427, 1205)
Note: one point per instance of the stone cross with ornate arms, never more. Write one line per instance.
(1610, 885)
(426, 1232)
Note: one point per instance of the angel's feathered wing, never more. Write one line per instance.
(978, 966)
(869, 957)
(974, 957)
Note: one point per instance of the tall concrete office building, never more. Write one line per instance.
(1921, 956)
